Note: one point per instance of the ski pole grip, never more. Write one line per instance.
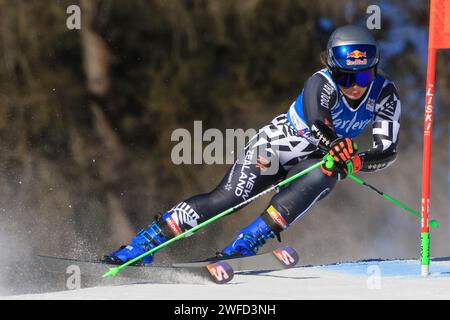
(349, 164)
(329, 161)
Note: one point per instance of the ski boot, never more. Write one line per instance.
(144, 241)
(249, 240)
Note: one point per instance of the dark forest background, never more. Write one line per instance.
(86, 118)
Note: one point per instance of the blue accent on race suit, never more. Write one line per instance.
(347, 122)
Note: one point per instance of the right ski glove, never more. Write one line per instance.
(340, 170)
(343, 149)
(341, 155)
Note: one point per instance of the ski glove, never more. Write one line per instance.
(340, 169)
(342, 149)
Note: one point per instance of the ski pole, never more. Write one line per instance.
(330, 161)
(433, 223)
(114, 271)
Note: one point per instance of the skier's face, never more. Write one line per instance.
(355, 92)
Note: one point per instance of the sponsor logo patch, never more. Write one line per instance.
(370, 104)
(277, 217)
(173, 226)
(356, 58)
(262, 162)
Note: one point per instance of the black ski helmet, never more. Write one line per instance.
(352, 48)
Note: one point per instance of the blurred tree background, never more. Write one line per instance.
(86, 118)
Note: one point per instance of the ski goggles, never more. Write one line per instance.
(347, 79)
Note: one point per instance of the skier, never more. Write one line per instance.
(335, 106)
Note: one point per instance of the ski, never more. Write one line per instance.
(280, 258)
(216, 271)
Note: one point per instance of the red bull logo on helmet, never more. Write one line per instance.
(356, 54)
(356, 57)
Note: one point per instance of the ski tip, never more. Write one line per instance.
(287, 256)
(220, 272)
(111, 273)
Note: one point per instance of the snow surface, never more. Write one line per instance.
(376, 279)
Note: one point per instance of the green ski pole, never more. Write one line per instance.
(114, 271)
(433, 223)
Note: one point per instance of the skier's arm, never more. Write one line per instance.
(319, 96)
(385, 132)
